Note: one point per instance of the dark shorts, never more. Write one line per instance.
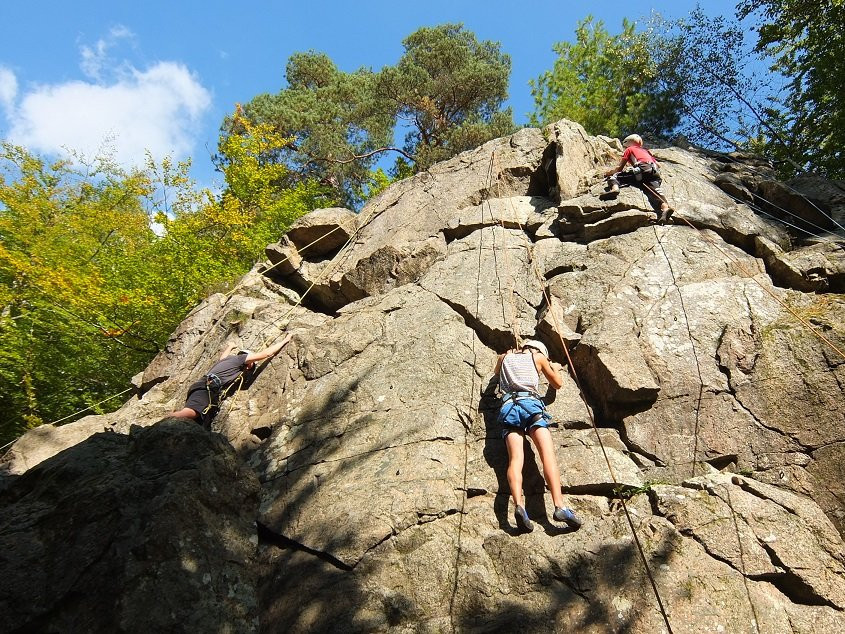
(649, 183)
(199, 400)
(522, 415)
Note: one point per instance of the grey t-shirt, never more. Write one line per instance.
(228, 369)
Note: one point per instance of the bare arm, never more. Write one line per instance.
(618, 168)
(227, 351)
(498, 367)
(552, 371)
(269, 351)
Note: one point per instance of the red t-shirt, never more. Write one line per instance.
(640, 153)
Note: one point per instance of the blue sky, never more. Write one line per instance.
(160, 76)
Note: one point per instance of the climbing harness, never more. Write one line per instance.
(641, 171)
(213, 385)
(513, 399)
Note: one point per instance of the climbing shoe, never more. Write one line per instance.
(610, 193)
(666, 215)
(522, 520)
(568, 517)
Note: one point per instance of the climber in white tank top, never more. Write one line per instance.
(523, 413)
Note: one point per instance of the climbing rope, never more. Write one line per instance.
(582, 394)
(82, 411)
(202, 341)
(755, 621)
(325, 273)
(473, 409)
(790, 188)
(694, 461)
(227, 296)
(701, 381)
(507, 264)
(694, 352)
(757, 209)
(745, 272)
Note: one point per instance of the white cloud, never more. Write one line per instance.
(95, 59)
(158, 109)
(8, 88)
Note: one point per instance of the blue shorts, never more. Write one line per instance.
(522, 415)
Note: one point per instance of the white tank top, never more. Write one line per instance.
(518, 373)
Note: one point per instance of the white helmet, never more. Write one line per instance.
(636, 139)
(539, 346)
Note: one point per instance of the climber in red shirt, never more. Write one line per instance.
(643, 174)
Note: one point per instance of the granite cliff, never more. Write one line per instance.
(358, 483)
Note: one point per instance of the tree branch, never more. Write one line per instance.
(356, 157)
(101, 245)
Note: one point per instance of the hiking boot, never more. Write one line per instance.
(666, 215)
(568, 517)
(522, 520)
(611, 192)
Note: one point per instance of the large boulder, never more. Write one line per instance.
(150, 531)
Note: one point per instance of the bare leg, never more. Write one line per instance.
(516, 458)
(185, 412)
(542, 438)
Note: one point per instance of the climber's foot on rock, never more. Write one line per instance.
(522, 521)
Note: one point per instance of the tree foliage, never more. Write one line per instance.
(806, 42)
(99, 264)
(609, 83)
(335, 122)
(778, 96)
(445, 94)
(448, 88)
(721, 102)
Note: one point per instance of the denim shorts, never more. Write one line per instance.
(516, 415)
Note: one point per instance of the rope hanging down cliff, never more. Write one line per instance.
(582, 394)
(467, 421)
(754, 617)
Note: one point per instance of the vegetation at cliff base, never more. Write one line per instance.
(99, 264)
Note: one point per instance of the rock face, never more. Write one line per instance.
(382, 501)
(132, 532)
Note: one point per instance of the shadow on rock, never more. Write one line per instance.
(603, 589)
(149, 531)
(337, 486)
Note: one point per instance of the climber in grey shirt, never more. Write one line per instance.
(523, 412)
(206, 394)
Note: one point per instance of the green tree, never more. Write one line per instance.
(722, 103)
(608, 83)
(806, 42)
(335, 122)
(98, 265)
(68, 323)
(448, 88)
(445, 93)
(261, 198)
